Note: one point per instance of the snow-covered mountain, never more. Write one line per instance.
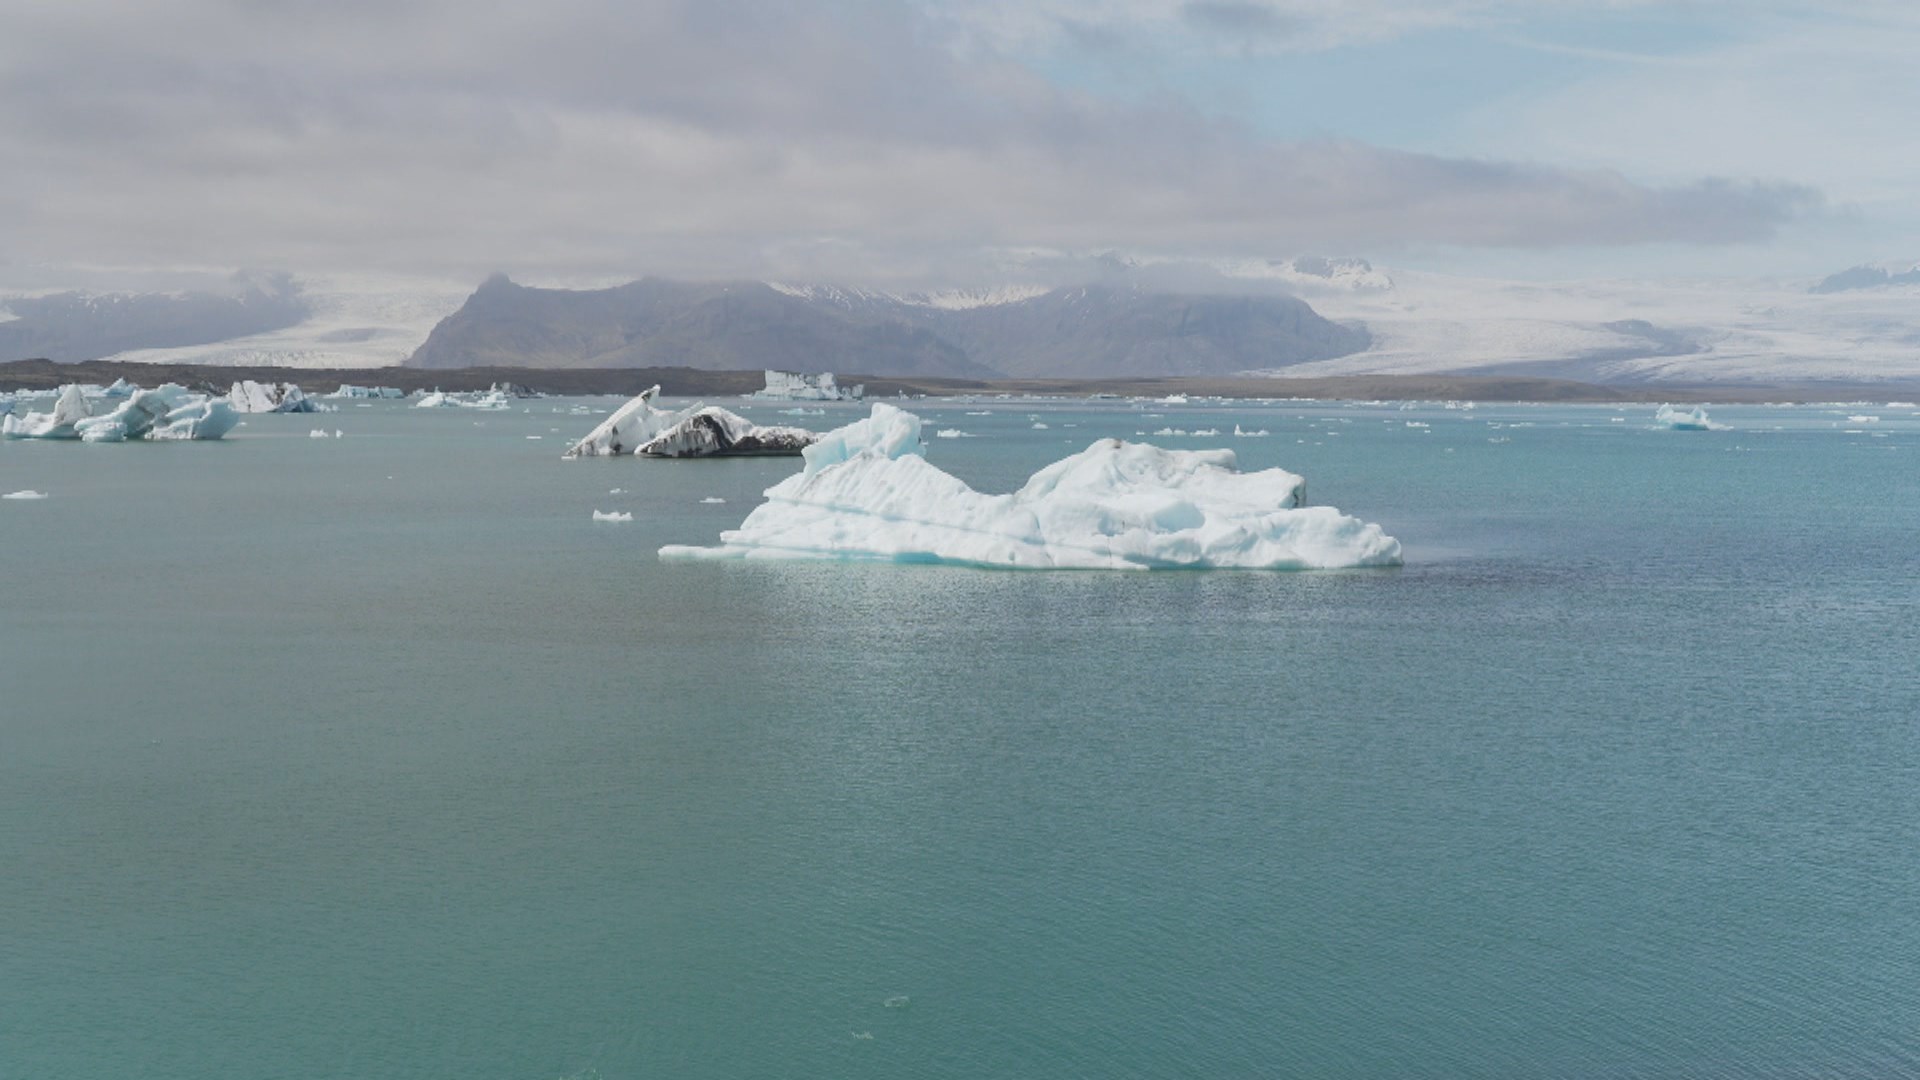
(1145, 318)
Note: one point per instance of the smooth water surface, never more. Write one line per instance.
(375, 756)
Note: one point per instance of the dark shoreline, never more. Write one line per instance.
(689, 382)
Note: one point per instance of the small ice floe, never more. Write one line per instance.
(1039, 427)
(533, 436)
(863, 1036)
(897, 1001)
(317, 433)
(617, 515)
(982, 412)
(799, 412)
(1169, 431)
(28, 494)
(1418, 424)
(1863, 419)
(616, 491)
(1676, 420)
(1238, 433)
(1206, 432)
(951, 433)
(713, 500)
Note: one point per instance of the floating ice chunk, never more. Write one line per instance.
(617, 515)
(616, 491)
(317, 433)
(803, 412)
(68, 410)
(248, 396)
(888, 432)
(1207, 432)
(29, 494)
(713, 500)
(1863, 419)
(951, 433)
(715, 432)
(630, 426)
(1670, 417)
(348, 390)
(699, 431)
(1039, 427)
(1418, 424)
(199, 421)
(871, 495)
(1240, 434)
(798, 386)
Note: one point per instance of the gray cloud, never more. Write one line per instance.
(1230, 17)
(696, 138)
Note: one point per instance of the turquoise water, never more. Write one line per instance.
(375, 757)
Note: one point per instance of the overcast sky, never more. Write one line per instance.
(927, 144)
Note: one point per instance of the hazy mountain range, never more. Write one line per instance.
(1087, 331)
(1303, 316)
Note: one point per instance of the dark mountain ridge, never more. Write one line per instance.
(1084, 332)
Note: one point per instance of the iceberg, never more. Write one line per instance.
(867, 493)
(26, 494)
(136, 415)
(795, 386)
(68, 410)
(615, 515)
(199, 421)
(350, 391)
(169, 412)
(248, 396)
(697, 431)
(1691, 420)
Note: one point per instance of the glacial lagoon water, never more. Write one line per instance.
(376, 756)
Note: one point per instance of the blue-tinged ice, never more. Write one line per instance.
(1694, 419)
(868, 493)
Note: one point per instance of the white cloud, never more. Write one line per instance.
(715, 138)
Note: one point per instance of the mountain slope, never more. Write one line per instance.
(1085, 332)
(71, 326)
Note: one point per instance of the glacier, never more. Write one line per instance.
(867, 493)
(638, 427)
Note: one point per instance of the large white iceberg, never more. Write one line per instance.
(168, 412)
(248, 396)
(697, 431)
(868, 493)
(68, 409)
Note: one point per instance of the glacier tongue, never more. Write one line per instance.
(868, 493)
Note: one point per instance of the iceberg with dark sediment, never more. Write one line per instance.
(638, 427)
(248, 396)
(1694, 419)
(867, 493)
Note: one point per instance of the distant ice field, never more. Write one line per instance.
(377, 755)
